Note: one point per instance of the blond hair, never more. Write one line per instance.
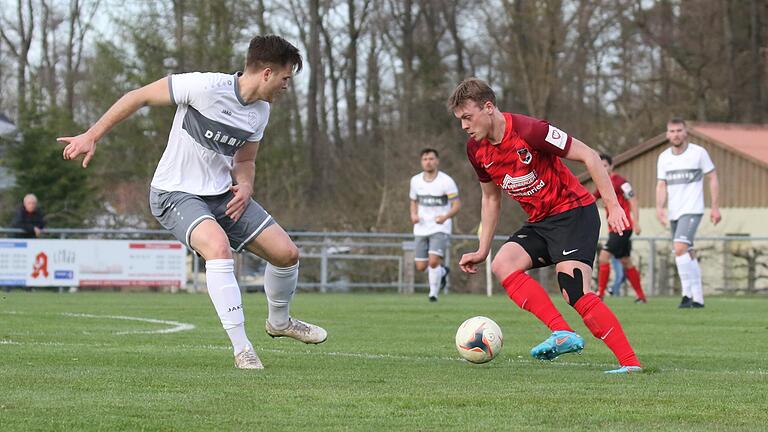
(471, 89)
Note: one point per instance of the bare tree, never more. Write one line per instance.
(23, 27)
(81, 13)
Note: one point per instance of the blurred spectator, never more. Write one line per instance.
(29, 218)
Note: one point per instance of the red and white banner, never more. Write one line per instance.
(25, 262)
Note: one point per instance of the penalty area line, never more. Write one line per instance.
(176, 326)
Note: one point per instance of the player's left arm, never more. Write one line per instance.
(634, 207)
(455, 207)
(714, 193)
(243, 174)
(578, 151)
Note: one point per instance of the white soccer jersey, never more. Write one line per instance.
(684, 174)
(212, 122)
(434, 199)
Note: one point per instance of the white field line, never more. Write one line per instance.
(177, 326)
(362, 355)
(389, 357)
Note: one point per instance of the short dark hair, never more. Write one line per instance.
(606, 157)
(429, 150)
(272, 50)
(676, 120)
(471, 89)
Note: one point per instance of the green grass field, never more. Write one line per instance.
(68, 363)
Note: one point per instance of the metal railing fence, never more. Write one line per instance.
(349, 261)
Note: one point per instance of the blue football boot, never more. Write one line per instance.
(560, 342)
(625, 370)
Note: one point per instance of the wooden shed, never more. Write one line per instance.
(740, 155)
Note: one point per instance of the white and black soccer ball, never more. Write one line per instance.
(479, 339)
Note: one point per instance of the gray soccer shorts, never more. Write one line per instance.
(684, 228)
(434, 244)
(181, 212)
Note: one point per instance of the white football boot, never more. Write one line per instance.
(299, 330)
(247, 359)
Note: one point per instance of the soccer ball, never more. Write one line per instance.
(479, 339)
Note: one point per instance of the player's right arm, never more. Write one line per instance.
(154, 94)
(414, 212)
(661, 199)
(489, 218)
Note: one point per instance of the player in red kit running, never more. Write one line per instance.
(619, 244)
(521, 156)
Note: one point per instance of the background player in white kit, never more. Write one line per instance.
(434, 201)
(201, 190)
(680, 173)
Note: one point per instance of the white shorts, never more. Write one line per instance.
(433, 244)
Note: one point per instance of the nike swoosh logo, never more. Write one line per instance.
(486, 166)
(565, 252)
(561, 340)
(606, 335)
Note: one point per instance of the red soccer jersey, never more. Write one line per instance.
(527, 166)
(623, 192)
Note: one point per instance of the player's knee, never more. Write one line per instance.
(502, 268)
(216, 250)
(434, 262)
(421, 265)
(571, 286)
(288, 257)
(604, 257)
(681, 248)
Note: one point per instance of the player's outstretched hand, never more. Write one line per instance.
(236, 206)
(617, 220)
(469, 261)
(82, 144)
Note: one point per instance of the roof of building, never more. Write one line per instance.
(748, 140)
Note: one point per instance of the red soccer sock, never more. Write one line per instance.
(529, 295)
(634, 278)
(605, 326)
(602, 279)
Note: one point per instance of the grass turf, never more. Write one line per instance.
(67, 363)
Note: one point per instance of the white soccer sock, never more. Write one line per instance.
(696, 288)
(434, 274)
(279, 286)
(685, 270)
(226, 298)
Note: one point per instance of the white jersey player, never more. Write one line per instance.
(434, 201)
(680, 173)
(201, 190)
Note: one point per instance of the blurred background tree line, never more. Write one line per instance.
(342, 144)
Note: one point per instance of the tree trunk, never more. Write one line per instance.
(758, 63)
(313, 130)
(179, 9)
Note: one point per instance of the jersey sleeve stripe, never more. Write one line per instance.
(170, 89)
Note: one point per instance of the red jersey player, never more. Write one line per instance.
(520, 155)
(619, 243)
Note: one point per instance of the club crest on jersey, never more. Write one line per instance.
(524, 155)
